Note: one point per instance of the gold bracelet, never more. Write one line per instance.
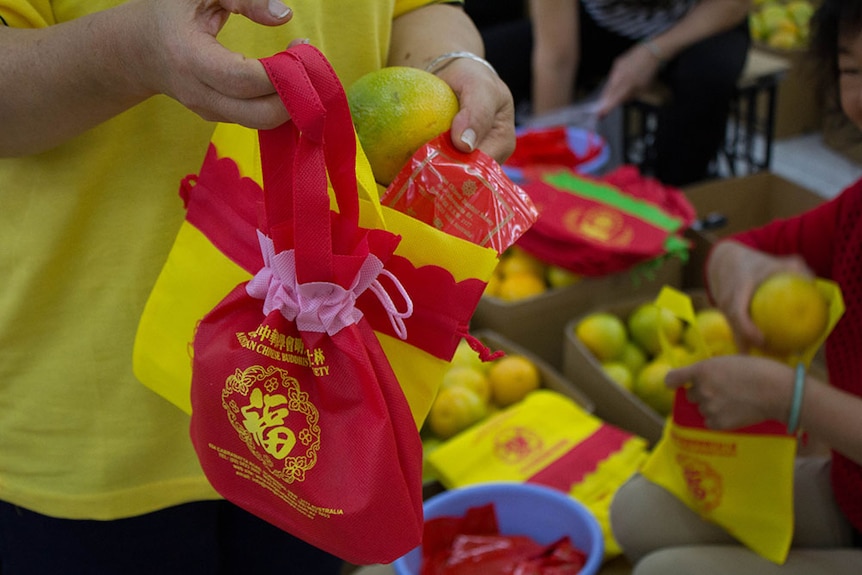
(445, 59)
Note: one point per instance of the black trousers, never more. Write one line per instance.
(702, 81)
(203, 538)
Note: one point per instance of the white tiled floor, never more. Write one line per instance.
(806, 161)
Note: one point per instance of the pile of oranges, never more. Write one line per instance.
(521, 275)
(787, 308)
(630, 352)
(472, 389)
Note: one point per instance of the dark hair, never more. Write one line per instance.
(833, 21)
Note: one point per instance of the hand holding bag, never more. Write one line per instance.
(740, 479)
(297, 415)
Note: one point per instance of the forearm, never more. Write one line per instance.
(833, 417)
(62, 80)
(555, 54)
(423, 34)
(707, 18)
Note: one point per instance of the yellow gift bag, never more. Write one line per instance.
(741, 480)
(548, 439)
(419, 320)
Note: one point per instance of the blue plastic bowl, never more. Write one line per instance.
(579, 140)
(540, 512)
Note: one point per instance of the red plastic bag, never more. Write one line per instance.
(473, 545)
(464, 194)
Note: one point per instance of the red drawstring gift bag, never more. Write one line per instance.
(599, 226)
(297, 415)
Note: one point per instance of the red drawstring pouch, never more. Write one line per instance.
(297, 415)
(599, 226)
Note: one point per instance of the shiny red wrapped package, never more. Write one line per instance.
(464, 194)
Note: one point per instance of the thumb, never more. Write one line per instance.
(266, 12)
(676, 378)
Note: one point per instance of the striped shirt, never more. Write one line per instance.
(636, 23)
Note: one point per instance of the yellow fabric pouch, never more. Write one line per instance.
(549, 439)
(741, 480)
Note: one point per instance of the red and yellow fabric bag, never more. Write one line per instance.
(217, 247)
(742, 479)
(548, 439)
(297, 415)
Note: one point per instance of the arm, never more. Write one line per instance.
(635, 69)
(735, 391)
(556, 53)
(487, 116)
(61, 80)
(804, 244)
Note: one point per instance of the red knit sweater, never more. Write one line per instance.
(829, 238)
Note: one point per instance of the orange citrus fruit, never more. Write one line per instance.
(559, 277)
(714, 329)
(469, 357)
(620, 373)
(633, 357)
(492, 288)
(519, 261)
(455, 409)
(650, 388)
(520, 285)
(644, 323)
(603, 334)
(396, 110)
(791, 312)
(470, 377)
(512, 377)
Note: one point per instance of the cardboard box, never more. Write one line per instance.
(614, 403)
(537, 323)
(742, 203)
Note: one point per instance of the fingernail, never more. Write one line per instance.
(468, 136)
(278, 9)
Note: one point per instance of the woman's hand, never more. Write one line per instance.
(486, 119)
(733, 391)
(631, 73)
(733, 273)
(184, 60)
(61, 80)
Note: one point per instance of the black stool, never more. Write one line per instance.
(751, 115)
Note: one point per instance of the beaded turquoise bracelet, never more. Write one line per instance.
(796, 403)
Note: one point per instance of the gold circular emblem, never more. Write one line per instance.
(275, 419)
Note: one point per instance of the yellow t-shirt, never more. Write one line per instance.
(84, 230)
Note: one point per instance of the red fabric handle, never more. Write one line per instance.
(296, 157)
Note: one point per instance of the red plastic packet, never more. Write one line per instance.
(464, 194)
(473, 545)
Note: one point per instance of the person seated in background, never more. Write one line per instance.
(739, 390)
(697, 48)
